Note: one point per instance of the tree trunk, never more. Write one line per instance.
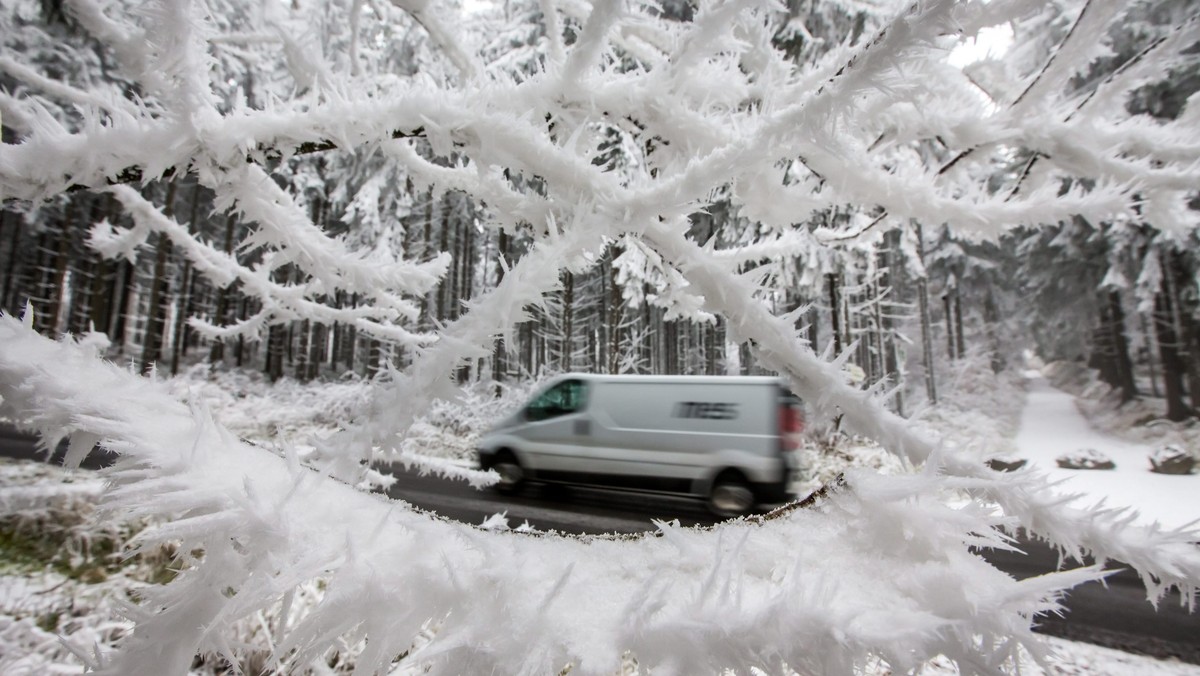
(57, 312)
(991, 318)
(444, 290)
(1189, 328)
(350, 340)
(710, 349)
(885, 370)
(319, 340)
(1168, 346)
(184, 297)
(960, 343)
(926, 322)
(568, 327)
(1123, 365)
(181, 315)
(835, 312)
(301, 364)
(1148, 339)
(888, 351)
(239, 349)
(8, 297)
(217, 352)
(152, 337)
(276, 337)
(949, 325)
(122, 289)
(614, 320)
(499, 365)
(100, 307)
(927, 340)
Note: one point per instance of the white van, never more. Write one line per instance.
(726, 439)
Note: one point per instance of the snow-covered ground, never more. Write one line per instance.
(1052, 425)
(37, 604)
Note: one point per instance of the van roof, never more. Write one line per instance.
(691, 380)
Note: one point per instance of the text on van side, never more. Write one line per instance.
(707, 410)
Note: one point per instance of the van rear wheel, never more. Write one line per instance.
(512, 475)
(731, 496)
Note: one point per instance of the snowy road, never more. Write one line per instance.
(1051, 425)
(1117, 616)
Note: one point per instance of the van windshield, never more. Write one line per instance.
(565, 397)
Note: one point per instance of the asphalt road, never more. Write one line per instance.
(1116, 614)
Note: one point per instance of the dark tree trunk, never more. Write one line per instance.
(835, 312)
(1122, 364)
(526, 340)
(61, 262)
(301, 364)
(100, 307)
(276, 337)
(1168, 346)
(1189, 328)
(949, 325)
(181, 315)
(746, 356)
(40, 294)
(960, 342)
(184, 297)
(350, 340)
(646, 349)
(814, 322)
(672, 331)
(122, 288)
(886, 336)
(318, 343)
(152, 337)
(568, 325)
(445, 289)
(1148, 351)
(11, 273)
(710, 349)
(926, 322)
(239, 349)
(614, 320)
(499, 365)
(217, 353)
(927, 340)
(991, 317)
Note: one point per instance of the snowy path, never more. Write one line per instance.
(1051, 425)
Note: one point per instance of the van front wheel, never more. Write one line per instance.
(512, 475)
(730, 496)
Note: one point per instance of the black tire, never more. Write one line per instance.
(512, 474)
(731, 495)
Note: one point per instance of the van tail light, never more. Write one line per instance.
(791, 424)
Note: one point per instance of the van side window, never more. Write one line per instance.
(565, 397)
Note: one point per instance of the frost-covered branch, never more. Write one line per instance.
(281, 302)
(711, 111)
(1164, 558)
(883, 568)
